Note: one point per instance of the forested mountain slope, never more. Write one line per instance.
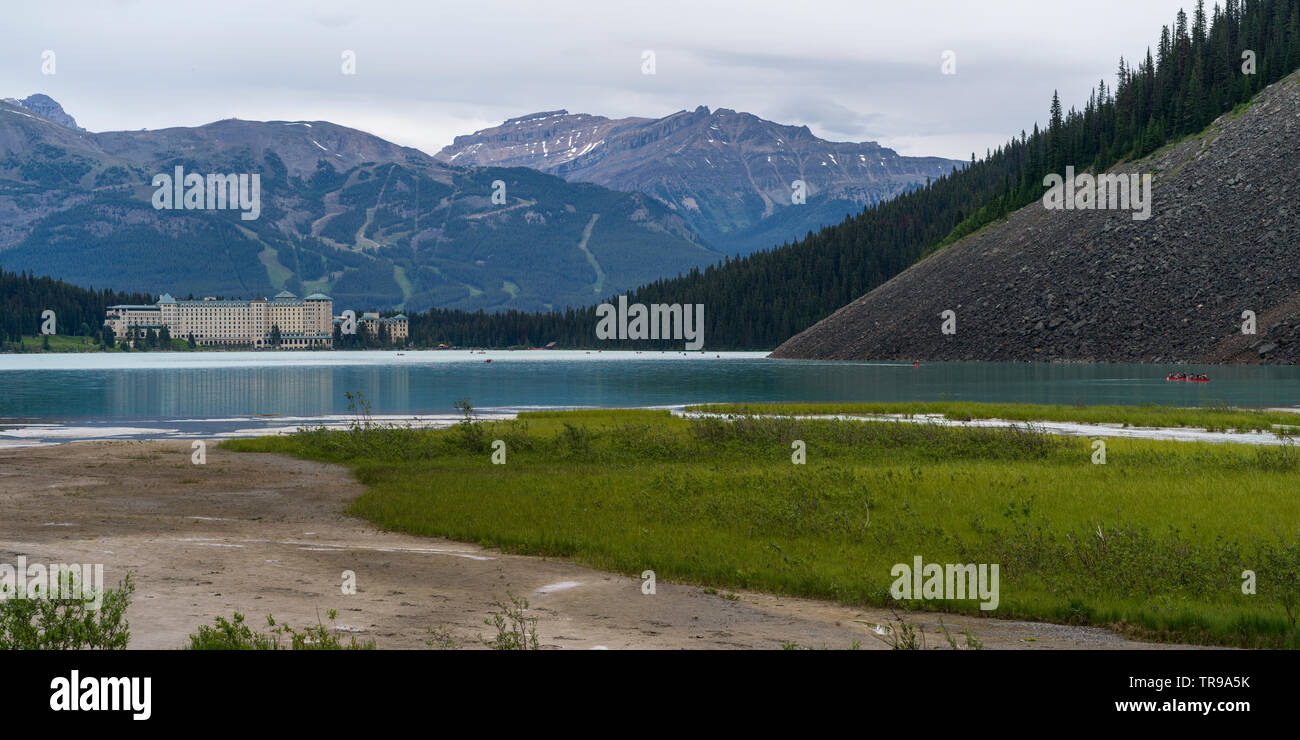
(1097, 285)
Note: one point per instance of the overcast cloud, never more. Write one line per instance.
(427, 71)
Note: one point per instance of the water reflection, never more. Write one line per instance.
(407, 385)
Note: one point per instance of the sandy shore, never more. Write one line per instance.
(264, 534)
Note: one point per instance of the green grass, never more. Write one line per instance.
(59, 343)
(404, 283)
(276, 273)
(1154, 542)
(1213, 419)
(1241, 108)
(68, 343)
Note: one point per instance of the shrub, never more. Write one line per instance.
(40, 623)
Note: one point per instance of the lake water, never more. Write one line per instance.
(83, 396)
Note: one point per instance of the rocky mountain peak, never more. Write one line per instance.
(729, 174)
(49, 109)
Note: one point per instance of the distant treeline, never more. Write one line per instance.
(756, 302)
(77, 311)
(569, 328)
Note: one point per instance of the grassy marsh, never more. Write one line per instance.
(1154, 542)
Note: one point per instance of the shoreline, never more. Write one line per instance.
(769, 354)
(29, 433)
(1069, 429)
(262, 533)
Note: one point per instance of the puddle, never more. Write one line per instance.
(46, 431)
(561, 586)
(326, 547)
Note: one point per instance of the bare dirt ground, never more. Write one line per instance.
(264, 534)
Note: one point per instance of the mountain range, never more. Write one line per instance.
(730, 175)
(372, 223)
(378, 225)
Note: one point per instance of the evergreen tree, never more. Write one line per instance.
(1056, 135)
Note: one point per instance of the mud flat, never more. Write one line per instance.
(263, 534)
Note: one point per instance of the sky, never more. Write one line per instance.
(425, 72)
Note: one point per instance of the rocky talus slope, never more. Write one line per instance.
(1078, 285)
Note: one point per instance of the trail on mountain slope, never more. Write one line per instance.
(591, 258)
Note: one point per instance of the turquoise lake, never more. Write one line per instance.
(204, 393)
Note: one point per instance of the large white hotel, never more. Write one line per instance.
(304, 323)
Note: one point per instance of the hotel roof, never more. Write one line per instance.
(167, 299)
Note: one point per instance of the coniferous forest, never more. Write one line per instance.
(1197, 71)
(78, 311)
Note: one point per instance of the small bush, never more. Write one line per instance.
(233, 634)
(39, 623)
(515, 631)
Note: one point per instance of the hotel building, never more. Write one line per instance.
(397, 327)
(303, 323)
